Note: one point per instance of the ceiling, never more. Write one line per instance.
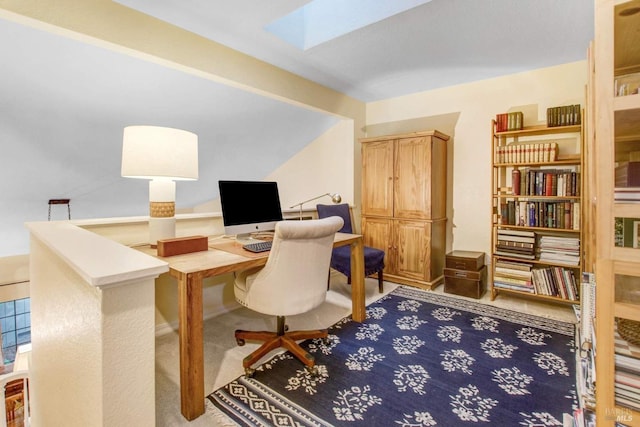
(438, 44)
(64, 103)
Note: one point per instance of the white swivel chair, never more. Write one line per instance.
(293, 281)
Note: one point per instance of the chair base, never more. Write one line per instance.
(273, 340)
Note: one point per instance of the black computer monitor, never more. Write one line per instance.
(249, 207)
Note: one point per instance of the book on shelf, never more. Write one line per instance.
(627, 194)
(509, 121)
(555, 281)
(628, 379)
(558, 214)
(515, 243)
(583, 417)
(526, 153)
(507, 243)
(585, 382)
(505, 278)
(509, 254)
(631, 392)
(627, 363)
(566, 115)
(627, 372)
(549, 182)
(559, 258)
(511, 286)
(522, 233)
(514, 238)
(514, 265)
(631, 403)
(587, 309)
(511, 275)
(559, 249)
(627, 174)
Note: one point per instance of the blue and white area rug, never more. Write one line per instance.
(420, 359)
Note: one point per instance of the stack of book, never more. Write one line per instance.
(585, 417)
(516, 244)
(555, 281)
(627, 174)
(513, 275)
(627, 194)
(559, 250)
(585, 373)
(627, 376)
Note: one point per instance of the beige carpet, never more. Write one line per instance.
(223, 358)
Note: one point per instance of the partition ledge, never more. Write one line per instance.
(99, 261)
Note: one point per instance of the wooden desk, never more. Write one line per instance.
(191, 269)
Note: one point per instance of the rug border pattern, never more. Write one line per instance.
(545, 323)
(295, 411)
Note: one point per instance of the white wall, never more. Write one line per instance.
(324, 166)
(92, 311)
(472, 106)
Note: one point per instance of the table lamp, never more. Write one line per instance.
(335, 198)
(162, 155)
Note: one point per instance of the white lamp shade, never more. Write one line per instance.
(159, 152)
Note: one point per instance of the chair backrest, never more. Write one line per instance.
(342, 210)
(22, 398)
(294, 279)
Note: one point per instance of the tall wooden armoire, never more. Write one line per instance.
(404, 204)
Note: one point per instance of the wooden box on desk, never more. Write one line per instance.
(465, 274)
(182, 245)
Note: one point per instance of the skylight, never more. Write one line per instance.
(322, 20)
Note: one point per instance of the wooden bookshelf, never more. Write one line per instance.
(565, 158)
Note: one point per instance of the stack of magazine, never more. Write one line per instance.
(627, 374)
(559, 250)
(513, 275)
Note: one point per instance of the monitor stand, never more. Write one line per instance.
(247, 238)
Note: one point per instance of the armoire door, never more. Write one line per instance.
(412, 182)
(377, 178)
(412, 247)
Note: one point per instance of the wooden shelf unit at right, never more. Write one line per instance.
(615, 143)
(537, 212)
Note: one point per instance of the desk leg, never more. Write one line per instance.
(357, 281)
(191, 346)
